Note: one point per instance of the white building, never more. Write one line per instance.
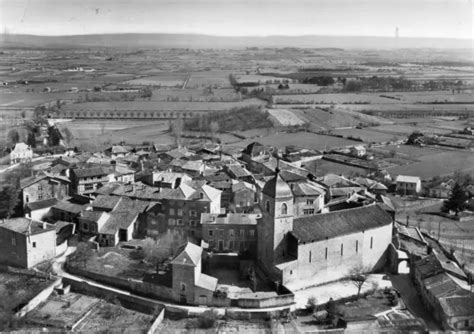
(21, 153)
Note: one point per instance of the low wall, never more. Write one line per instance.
(156, 322)
(38, 299)
(131, 302)
(276, 301)
(237, 314)
(136, 286)
(23, 271)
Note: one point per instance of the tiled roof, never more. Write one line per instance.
(307, 189)
(407, 179)
(207, 282)
(88, 172)
(92, 215)
(458, 306)
(106, 202)
(31, 180)
(188, 254)
(69, 207)
(26, 225)
(116, 221)
(334, 224)
(238, 171)
(38, 205)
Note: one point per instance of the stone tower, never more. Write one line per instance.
(277, 221)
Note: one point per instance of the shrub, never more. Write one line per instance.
(204, 321)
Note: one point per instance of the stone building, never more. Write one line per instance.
(86, 181)
(43, 187)
(189, 284)
(179, 210)
(408, 185)
(318, 248)
(233, 232)
(25, 242)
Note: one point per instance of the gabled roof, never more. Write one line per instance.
(407, 179)
(116, 221)
(337, 181)
(459, 305)
(207, 282)
(308, 188)
(211, 193)
(38, 205)
(21, 147)
(188, 254)
(238, 171)
(26, 182)
(254, 149)
(105, 202)
(89, 172)
(338, 223)
(26, 226)
(69, 207)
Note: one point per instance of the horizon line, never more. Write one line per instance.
(240, 36)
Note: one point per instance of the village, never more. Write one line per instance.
(213, 235)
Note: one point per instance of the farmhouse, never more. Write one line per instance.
(26, 242)
(21, 153)
(408, 185)
(358, 151)
(86, 181)
(43, 187)
(319, 248)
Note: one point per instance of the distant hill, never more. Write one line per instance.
(205, 41)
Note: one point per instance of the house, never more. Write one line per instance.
(86, 181)
(358, 151)
(180, 209)
(25, 242)
(109, 227)
(442, 190)
(450, 304)
(166, 179)
(231, 232)
(123, 174)
(44, 187)
(298, 157)
(244, 196)
(239, 173)
(190, 285)
(408, 185)
(319, 248)
(21, 153)
(118, 151)
(39, 210)
(68, 210)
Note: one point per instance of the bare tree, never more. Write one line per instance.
(157, 250)
(214, 127)
(68, 136)
(359, 276)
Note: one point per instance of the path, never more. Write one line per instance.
(412, 300)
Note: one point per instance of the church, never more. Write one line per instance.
(311, 250)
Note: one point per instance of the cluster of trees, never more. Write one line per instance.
(376, 83)
(10, 190)
(323, 80)
(459, 196)
(249, 117)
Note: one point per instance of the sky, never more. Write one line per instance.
(414, 18)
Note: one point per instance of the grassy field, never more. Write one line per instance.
(368, 135)
(300, 139)
(163, 79)
(444, 163)
(97, 134)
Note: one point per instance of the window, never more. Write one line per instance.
(309, 201)
(40, 195)
(192, 232)
(40, 188)
(13, 241)
(183, 287)
(357, 246)
(27, 199)
(284, 209)
(34, 244)
(231, 233)
(171, 222)
(179, 222)
(221, 233)
(252, 233)
(180, 212)
(307, 212)
(171, 212)
(242, 233)
(371, 242)
(88, 187)
(309, 256)
(85, 226)
(211, 233)
(193, 213)
(255, 198)
(342, 249)
(267, 206)
(326, 254)
(201, 195)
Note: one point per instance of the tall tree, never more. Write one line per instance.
(31, 139)
(13, 136)
(457, 199)
(69, 136)
(358, 276)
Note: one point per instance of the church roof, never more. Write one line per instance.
(338, 223)
(277, 188)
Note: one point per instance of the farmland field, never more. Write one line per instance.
(368, 135)
(438, 164)
(164, 79)
(301, 139)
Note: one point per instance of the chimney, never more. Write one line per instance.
(44, 226)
